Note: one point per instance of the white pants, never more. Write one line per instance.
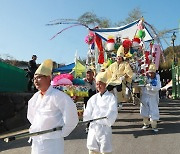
(149, 108)
(99, 138)
(94, 152)
(48, 146)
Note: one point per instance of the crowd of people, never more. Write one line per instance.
(49, 107)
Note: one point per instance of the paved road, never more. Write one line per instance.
(128, 137)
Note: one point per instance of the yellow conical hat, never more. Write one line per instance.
(152, 68)
(120, 51)
(101, 76)
(45, 68)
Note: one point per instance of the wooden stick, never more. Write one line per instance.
(27, 134)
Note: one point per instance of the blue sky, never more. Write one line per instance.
(23, 31)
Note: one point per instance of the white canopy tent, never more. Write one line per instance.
(127, 31)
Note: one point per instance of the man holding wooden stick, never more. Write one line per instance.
(102, 104)
(48, 109)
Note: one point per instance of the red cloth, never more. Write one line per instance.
(100, 48)
(136, 40)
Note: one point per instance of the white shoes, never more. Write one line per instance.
(155, 130)
(86, 130)
(120, 105)
(145, 126)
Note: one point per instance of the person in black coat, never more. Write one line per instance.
(32, 67)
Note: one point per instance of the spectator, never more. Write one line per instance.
(31, 70)
(91, 84)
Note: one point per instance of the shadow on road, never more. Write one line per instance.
(169, 120)
(14, 144)
(78, 133)
(131, 124)
(165, 128)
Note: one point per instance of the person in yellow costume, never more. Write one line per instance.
(118, 74)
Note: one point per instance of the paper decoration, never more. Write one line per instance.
(156, 52)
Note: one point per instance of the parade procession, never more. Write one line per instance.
(121, 69)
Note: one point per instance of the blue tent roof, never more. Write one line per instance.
(64, 69)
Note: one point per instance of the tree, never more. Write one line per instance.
(135, 14)
(169, 55)
(90, 18)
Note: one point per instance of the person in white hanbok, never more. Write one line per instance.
(102, 104)
(47, 109)
(149, 109)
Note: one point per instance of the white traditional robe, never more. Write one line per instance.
(150, 100)
(100, 133)
(54, 109)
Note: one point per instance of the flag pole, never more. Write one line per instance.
(75, 61)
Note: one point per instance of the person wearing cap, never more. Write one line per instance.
(91, 84)
(32, 67)
(119, 74)
(149, 109)
(47, 109)
(102, 104)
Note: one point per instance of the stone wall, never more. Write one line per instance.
(13, 110)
